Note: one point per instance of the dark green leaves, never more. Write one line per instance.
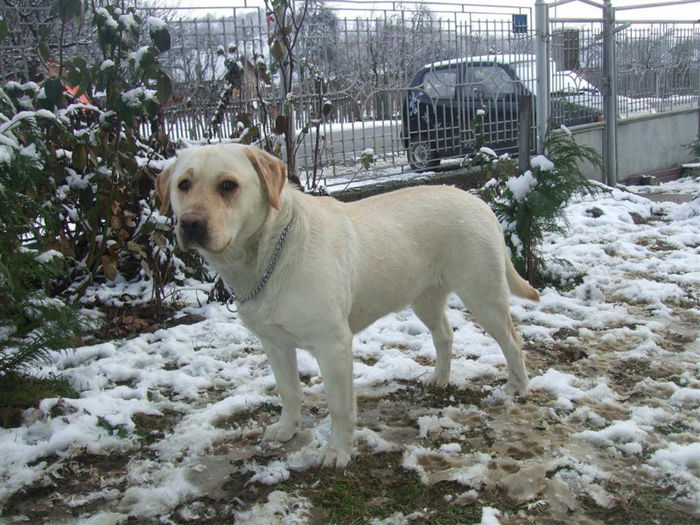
(53, 89)
(159, 34)
(164, 88)
(69, 9)
(3, 29)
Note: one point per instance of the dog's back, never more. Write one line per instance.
(419, 238)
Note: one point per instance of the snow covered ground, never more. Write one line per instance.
(167, 426)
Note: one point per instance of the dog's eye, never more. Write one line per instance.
(227, 186)
(184, 185)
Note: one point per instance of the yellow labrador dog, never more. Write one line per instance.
(310, 272)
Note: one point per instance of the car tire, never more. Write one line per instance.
(422, 156)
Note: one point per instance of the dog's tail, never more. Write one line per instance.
(519, 286)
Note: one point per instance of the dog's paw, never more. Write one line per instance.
(516, 387)
(332, 456)
(437, 380)
(280, 431)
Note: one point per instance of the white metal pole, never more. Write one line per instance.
(542, 68)
(610, 95)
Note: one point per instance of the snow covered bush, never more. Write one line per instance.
(83, 124)
(531, 204)
(31, 323)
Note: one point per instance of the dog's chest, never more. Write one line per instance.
(271, 328)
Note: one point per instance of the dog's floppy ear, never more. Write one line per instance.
(163, 187)
(272, 171)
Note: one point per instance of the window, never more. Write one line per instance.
(491, 80)
(440, 83)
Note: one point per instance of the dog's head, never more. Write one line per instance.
(220, 193)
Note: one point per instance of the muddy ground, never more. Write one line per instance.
(449, 452)
(606, 433)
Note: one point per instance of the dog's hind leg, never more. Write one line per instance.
(284, 366)
(492, 313)
(430, 309)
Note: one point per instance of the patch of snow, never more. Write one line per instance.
(156, 24)
(521, 186)
(139, 55)
(687, 210)
(626, 436)
(489, 516)
(281, 508)
(48, 256)
(563, 387)
(542, 163)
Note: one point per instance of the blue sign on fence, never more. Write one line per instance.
(519, 23)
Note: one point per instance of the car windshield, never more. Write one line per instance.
(440, 83)
(490, 79)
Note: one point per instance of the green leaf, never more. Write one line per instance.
(128, 163)
(164, 89)
(277, 50)
(53, 87)
(45, 31)
(68, 9)
(281, 124)
(4, 30)
(78, 74)
(44, 51)
(146, 63)
(80, 157)
(161, 39)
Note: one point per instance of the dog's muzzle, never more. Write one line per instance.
(193, 229)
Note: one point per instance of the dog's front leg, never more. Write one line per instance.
(284, 366)
(335, 362)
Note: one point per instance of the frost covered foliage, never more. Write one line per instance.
(31, 324)
(531, 204)
(80, 128)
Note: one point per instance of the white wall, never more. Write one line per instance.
(645, 144)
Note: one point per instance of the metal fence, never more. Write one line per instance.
(369, 57)
(412, 87)
(657, 63)
(404, 84)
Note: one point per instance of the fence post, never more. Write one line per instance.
(609, 96)
(542, 69)
(524, 132)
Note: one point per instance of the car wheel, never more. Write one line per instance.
(421, 156)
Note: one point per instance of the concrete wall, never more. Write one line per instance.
(646, 144)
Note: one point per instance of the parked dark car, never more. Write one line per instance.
(445, 98)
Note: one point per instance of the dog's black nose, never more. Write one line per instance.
(193, 227)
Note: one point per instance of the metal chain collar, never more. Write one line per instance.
(268, 271)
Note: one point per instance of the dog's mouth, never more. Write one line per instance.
(190, 240)
(201, 242)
